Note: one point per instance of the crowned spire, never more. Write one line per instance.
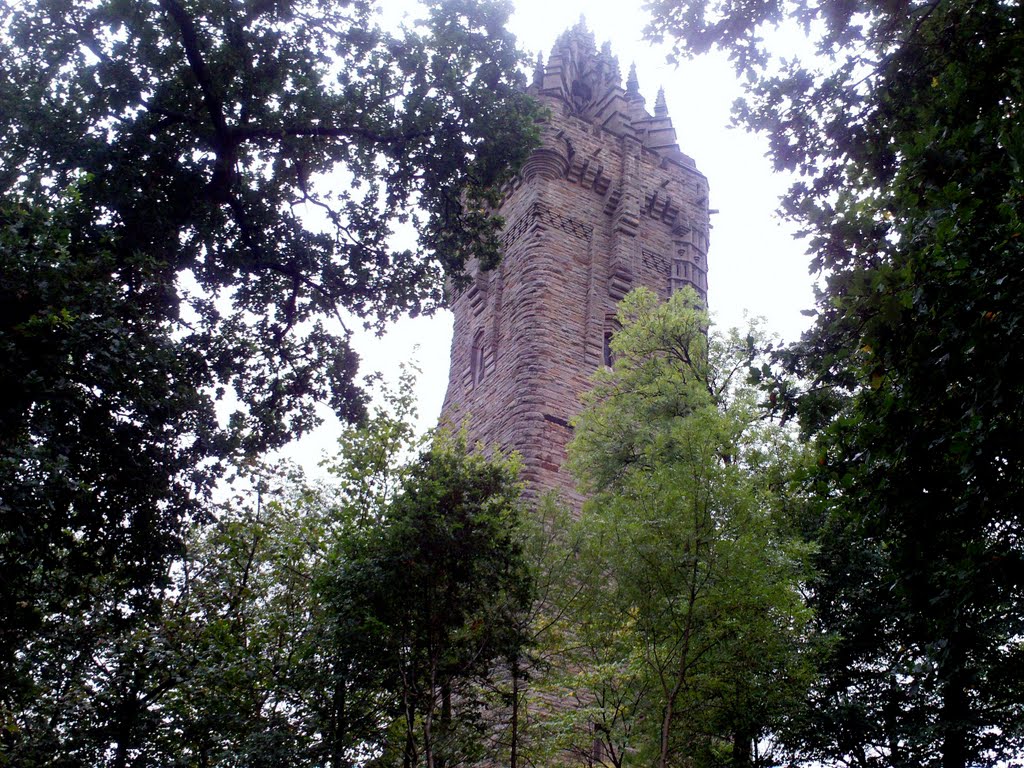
(577, 38)
(588, 82)
(660, 107)
(632, 82)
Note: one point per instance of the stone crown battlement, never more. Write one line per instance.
(588, 82)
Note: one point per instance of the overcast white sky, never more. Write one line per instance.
(754, 263)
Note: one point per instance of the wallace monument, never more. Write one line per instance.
(607, 203)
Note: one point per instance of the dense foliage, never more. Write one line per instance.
(906, 138)
(194, 197)
(689, 627)
(361, 620)
(430, 600)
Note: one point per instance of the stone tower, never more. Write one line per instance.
(606, 203)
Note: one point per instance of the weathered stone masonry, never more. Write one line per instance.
(606, 204)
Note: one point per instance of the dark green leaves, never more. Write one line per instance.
(429, 603)
(195, 197)
(907, 140)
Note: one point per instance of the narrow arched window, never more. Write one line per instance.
(476, 358)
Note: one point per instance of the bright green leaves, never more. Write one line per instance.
(659, 377)
(370, 617)
(685, 557)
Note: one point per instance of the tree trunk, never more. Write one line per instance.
(428, 721)
(742, 748)
(513, 761)
(410, 758)
(338, 729)
(127, 715)
(666, 723)
(441, 756)
(953, 719)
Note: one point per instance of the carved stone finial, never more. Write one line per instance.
(609, 66)
(538, 71)
(632, 83)
(577, 40)
(614, 72)
(660, 107)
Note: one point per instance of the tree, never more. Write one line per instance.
(431, 595)
(263, 658)
(693, 576)
(94, 472)
(194, 197)
(906, 137)
(232, 669)
(301, 623)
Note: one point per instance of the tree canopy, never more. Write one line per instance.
(905, 135)
(363, 619)
(690, 624)
(195, 197)
(430, 595)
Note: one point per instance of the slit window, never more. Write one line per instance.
(476, 359)
(607, 353)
